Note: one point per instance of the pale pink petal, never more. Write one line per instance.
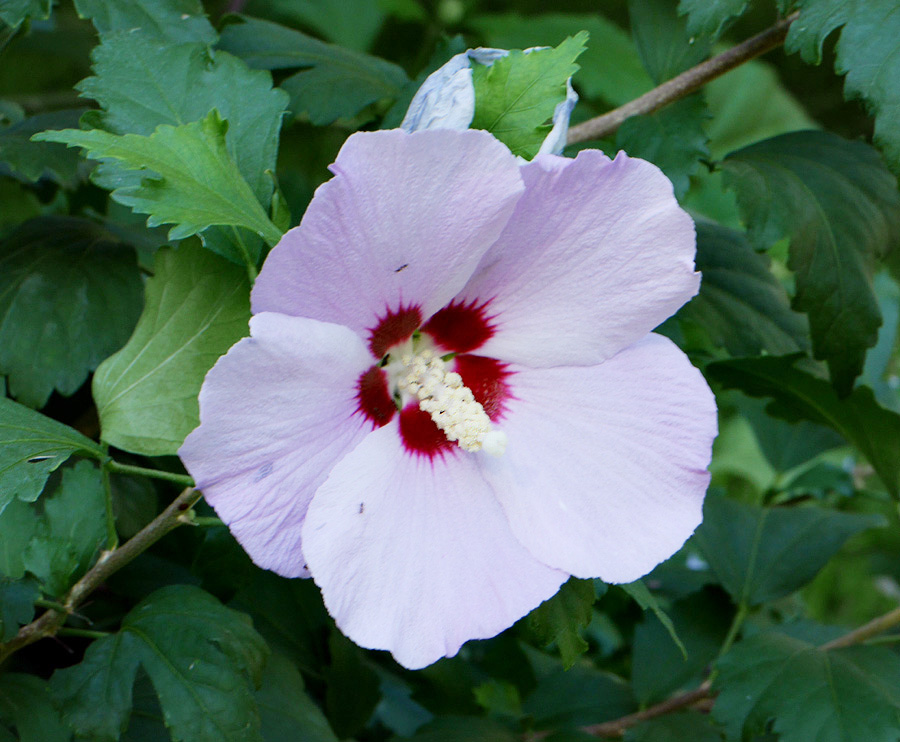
(276, 413)
(405, 221)
(605, 468)
(596, 254)
(414, 555)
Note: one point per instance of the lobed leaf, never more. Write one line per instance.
(840, 208)
(170, 21)
(561, 618)
(797, 395)
(515, 97)
(848, 695)
(190, 179)
(335, 83)
(868, 52)
(25, 702)
(32, 161)
(14, 12)
(197, 307)
(662, 39)
(761, 554)
(70, 295)
(31, 447)
(16, 602)
(741, 304)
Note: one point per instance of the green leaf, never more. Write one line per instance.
(16, 602)
(658, 668)
(288, 713)
(353, 687)
(329, 18)
(70, 295)
(709, 17)
(171, 21)
(32, 161)
(31, 446)
(674, 139)
(94, 696)
(814, 695)
(797, 395)
(146, 394)
(191, 180)
(610, 66)
(644, 598)
(688, 726)
(762, 554)
(72, 530)
(516, 95)
(561, 619)
(579, 696)
(741, 304)
(203, 659)
(455, 729)
(14, 12)
(335, 83)
(18, 524)
(840, 208)
(25, 700)
(868, 52)
(662, 39)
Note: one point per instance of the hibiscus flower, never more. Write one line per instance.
(451, 399)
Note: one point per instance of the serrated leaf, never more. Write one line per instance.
(16, 602)
(579, 696)
(658, 668)
(288, 713)
(797, 395)
(673, 139)
(70, 295)
(94, 696)
(516, 95)
(72, 529)
(32, 161)
(197, 307)
(172, 21)
(610, 66)
(190, 179)
(644, 598)
(662, 40)
(561, 619)
(330, 19)
(848, 695)
(18, 524)
(203, 659)
(868, 52)
(709, 17)
(14, 12)
(741, 304)
(31, 446)
(761, 554)
(678, 727)
(840, 208)
(335, 83)
(25, 701)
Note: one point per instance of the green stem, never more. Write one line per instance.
(87, 633)
(139, 471)
(42, 603)
(112, 537)
(737, 624)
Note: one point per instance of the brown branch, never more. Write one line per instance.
(685, 83)
(702, 698)
(111, 561)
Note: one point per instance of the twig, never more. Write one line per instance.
(685, 83)
(702, 698)
(110, 562)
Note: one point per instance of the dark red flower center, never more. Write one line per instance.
(459, 328)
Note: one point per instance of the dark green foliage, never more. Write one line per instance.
(709, 17)
(849, 695)
(840, 208)
(31, 446)
(680, 727)
(762, 554)
(16, 604)
(70, 295)
(798, 395)
(334, 83)
(741, 304)
(25, 704)
(561, 619)
(31, 161)
(662, 39)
